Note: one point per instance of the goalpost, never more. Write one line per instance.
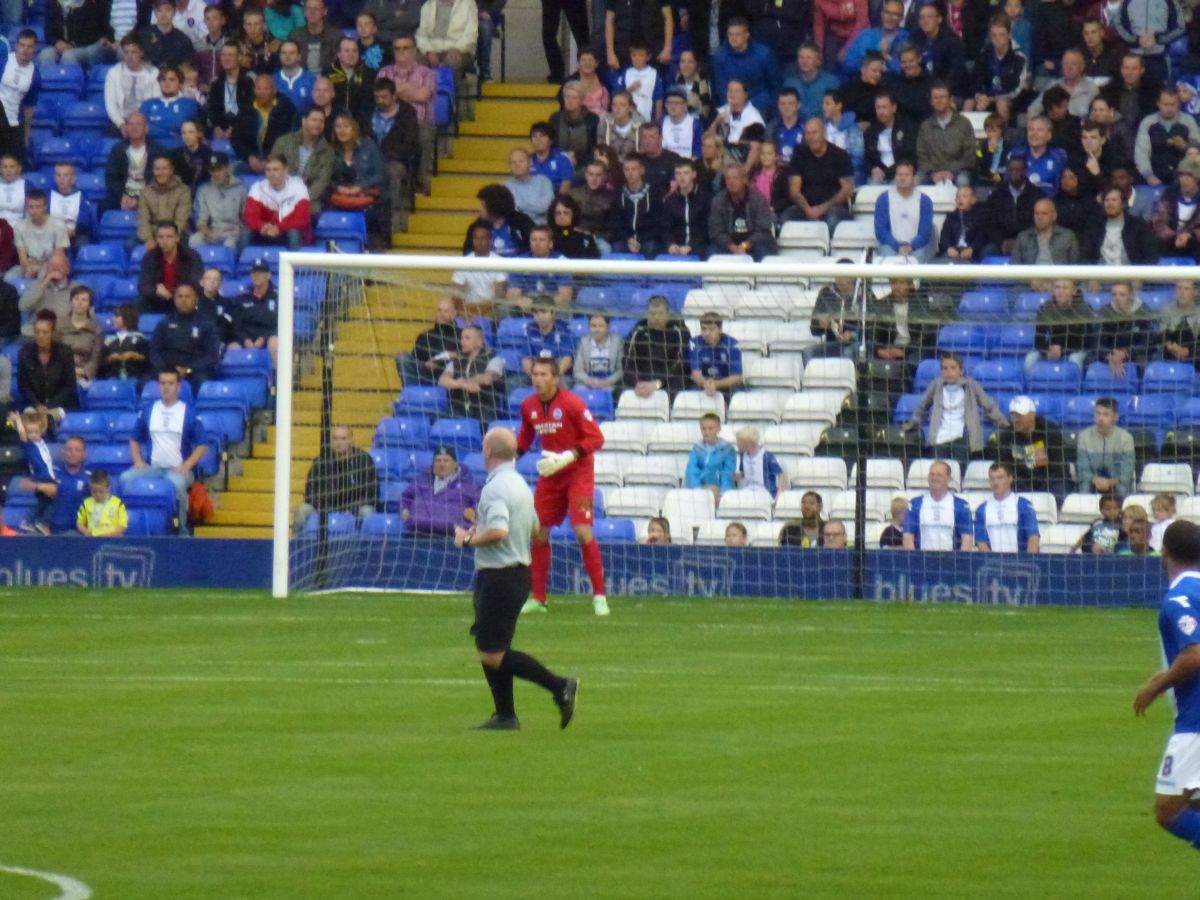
(820, 407)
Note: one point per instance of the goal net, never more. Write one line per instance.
(780, 428)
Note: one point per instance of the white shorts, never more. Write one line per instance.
(1179, 772)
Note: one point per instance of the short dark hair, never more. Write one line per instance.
(36, 194)
(789, 92)
(99, 477)
(129, 315)
(542, 128)
(1106, 403)
(1001, 467)
(382, 84)
(174, 373)
(497, 200)
(166, 224)
(1181, 542)
(1055, 95)
(132, 40)
(739, 21)
(871, 56)
(548, 362)
(711, 318)
(27, 34)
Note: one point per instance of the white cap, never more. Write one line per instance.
(1022, 405)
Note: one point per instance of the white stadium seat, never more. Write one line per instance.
(877, 503)
(976, 477)
(712, 533)
(772, 372)
(797, 439)
(818, 405)
(1083, 509)
(752, 335)
(699, 302)
(630, 434)
(741, 505)
(656, 406)
(884, 474)
(830, 373)
(820, 471)
(673, 437)
(634, 501)
(608, 468)
(941, 195)
(918, 474)
(683, 531)
(731, 259)
(1142, 500)
(1187, 508)
(875, 531)
(1044, 505)
(793, 336)
(687, 504)
(864, 202)
(764, 534)
(850, 235)
(654, 469)
(798, 300)
(757, 405)
(694, 404)
(977, 119)
(1166, 478)
(797, 235)
(1061, 538)
(762, 304)
(787, 506)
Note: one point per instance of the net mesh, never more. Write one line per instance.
(854, 385)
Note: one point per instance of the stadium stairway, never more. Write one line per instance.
(502, 121)
(367, 384)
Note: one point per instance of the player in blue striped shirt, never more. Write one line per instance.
(938, 520)
(1179, 630)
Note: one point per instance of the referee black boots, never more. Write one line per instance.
(566, 701)
(500, 723)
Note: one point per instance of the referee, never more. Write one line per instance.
(501, 542)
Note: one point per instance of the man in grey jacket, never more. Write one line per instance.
(219, 206)
(740, 219)
(1150, 27)
(309, 155)
(946, 145)
(954, 403)
(1046, 242)
(52, 291)
(1104, 457)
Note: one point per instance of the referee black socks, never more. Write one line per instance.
(525, 666)
(500, 681)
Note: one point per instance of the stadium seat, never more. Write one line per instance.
(252, 254)
(223, 395)
(1099, 379)
(382, 526)
(517, 397)
(756, 406)
(597, 298)
(876, 505)
(599, 401)
(659, 469)
(417, 400)
(402, 431)
(637, 502)
(772, 372)
(673, 437)
(852, 236)
(527, 468)
(983, 305)
(511, 335)
(118, 225)
(918, 474)
(47, 113)
(227, 425)
(698, 303)
(631, 435)
(976, 476)
(388, 463)
(1044, 505)
(112, 394)
(92, 426)
(1079, 410)
(820, 405)
(1154, 411)
(1027, 304)
(1014, 340)
(689, 505)
(1056, 377)
(100, 259)
(1061, 538)
(694, 404)
(335, 226)
(830, 373)
(797, 235)
(147, 493)
(961, 339)
(614, 531)
(62, 78)
(1166, 478)
(338, 525)
(675, 291)
(250, 364)
(819, 472)
(462, 434)
(55, 150)
(219, 257)
(745, 504)
(1081, 508)
(1000, 375)
(608, 469)
(792, 438)
(1169, 378)
(84, 117)
(656, 406)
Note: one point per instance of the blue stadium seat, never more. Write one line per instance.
(1157, 300)
(516, 397)
(118, 225)
(906, 405)
(43, 181)
(1078, 409)
(147, 322)
(599, 298)
(622, 327)
(60, 78)
(121, 290)
(101, 149)
(220, 257)
(961, 339)
(473, 463)
(99, 285)
(338, 525)
(382, 526)
(1014, 339)
(100, 259)
(976, 305)
(417, 400)
(562, 533)
(55, 150)
(84, 116)
(1169, 378)
(1176, 261)
(414, 462)
(390, 495)
(1028, 304)
(234, 287)
(464, 435)
(527, 468)
(92, 426)
(1048, 405)
(513, 425)
(226, 425)
(1155, 411)
(1189, 414)
(95, 80)
(138, 523)
(388, 463)
(1054, 377)
(133, 266)
(512, 363)
(614, 531)
(580, 326)
(443, 106)
(252, 364)
(1099, 379)
(402, 431)
(250, 255)
(675, 292)
(19, 494)
(1097, 300)
(337, 226)
(112, 458)
(927, 371)
(107, 322)
(112, 394)
(255, 388)
(510, 334)
(1000, 375)
(48, 111)
(223, 395)
(123, 426)
(599, 401)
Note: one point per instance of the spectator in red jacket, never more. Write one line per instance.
(278, 210)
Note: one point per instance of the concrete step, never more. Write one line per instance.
(475, 167)
(512, 120)
(261, 519)
(264, 468)
(448, 204)
(261, 486)
(452, 224)
(439, 244)
(451, 185)
(231, 501)
(515, 90)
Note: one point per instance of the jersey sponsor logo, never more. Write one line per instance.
(558, 414)
(1182, 601)
(1187, 624)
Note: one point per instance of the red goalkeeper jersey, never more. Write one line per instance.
(563, 423)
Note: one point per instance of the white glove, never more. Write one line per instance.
(554, 462)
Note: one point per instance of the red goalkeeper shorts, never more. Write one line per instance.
(568, 494)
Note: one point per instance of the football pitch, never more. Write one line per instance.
(183, 745)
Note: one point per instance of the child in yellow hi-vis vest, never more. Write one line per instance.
(102, 514)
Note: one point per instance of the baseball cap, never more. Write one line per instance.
(446, 450)
(676, 92)
(1022, 406)
(260, 265)
(218, 160)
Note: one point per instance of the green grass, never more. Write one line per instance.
(176, 745)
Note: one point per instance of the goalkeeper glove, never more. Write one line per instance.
(554, 462)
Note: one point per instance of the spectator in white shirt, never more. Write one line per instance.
(37, 236)
(12, 189)
(481, 289)
(130, 83)
(68, 204)
(757, 467)
(18, 82)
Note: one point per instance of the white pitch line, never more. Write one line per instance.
(72, 889)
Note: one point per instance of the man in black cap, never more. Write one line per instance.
(438, 501)
(256, 313)
(219, 205)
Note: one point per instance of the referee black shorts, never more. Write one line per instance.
(499, 596)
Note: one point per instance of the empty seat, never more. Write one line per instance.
(793, 438)
(1168, 378)
(688, 505)
(830, 373)
(657, 469)
(772, 372)
(640, 501)
(1058, 376)
(1166, 478)
(334, 226)
(761, 304)
(850, 235)
(598, 400)
(1044, 505)
(1099, 379)
(1080, 508)
(464, 435)
(93, 427)
(797, 234)
(876, 505)
(760, 405)
(976, 305)
(656, 406)
(382, 526)
(614, 531)
(745, 504)
(694, 404)
(821, 471)
(883, 474)
(673, 437)
(417, 400)
(402, 431)
(1000, 375)
(100, 259)
(631, 434)
(976, 477)
(1061, 538)
(697, 303)
(962, 339)
(1015, 339)
(607, 468)
(820, 405)
(338, 525)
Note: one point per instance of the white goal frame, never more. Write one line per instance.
(362, 264)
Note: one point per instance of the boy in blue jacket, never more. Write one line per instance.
(712, 461)
(30, 428)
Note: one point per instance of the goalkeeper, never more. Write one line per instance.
(569, 436)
